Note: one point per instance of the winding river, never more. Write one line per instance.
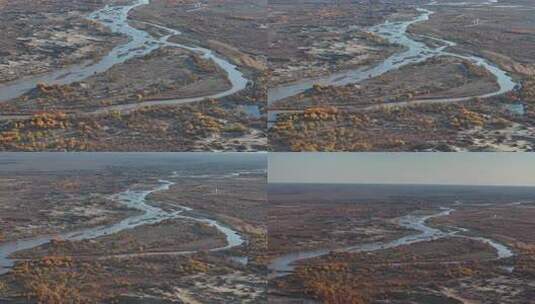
(140, 43)
(414, 52)
(150, 215)
(286, 264)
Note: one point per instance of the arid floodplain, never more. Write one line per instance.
(132, 228)
(412, 75)
(135, 75)
(351, 239)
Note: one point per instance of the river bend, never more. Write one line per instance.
(413, 52)
(133, 199)
(286, 264)
(140, 43)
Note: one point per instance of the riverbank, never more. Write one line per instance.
(201, 253)
(98, 95)
(420, 251)
(409, 102)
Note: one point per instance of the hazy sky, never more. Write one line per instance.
(58, 161)
(405, 168)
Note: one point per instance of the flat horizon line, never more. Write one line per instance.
(404, 184)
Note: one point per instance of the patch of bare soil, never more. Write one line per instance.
(41, 36)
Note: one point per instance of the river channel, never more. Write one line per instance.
(414, 52)
(286, 264)
(133, 199)
(140, 43)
